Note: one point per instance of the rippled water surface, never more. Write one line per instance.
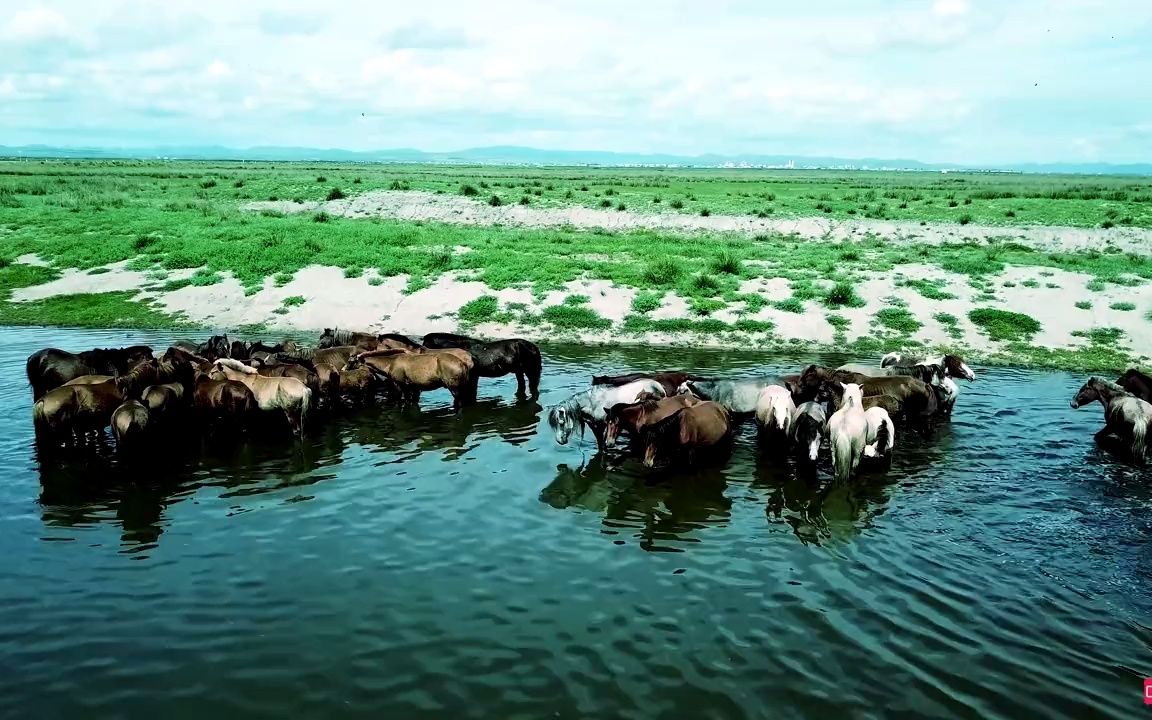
(408, 564)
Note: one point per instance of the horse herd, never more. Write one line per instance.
(237, 383)
(677, 416)
(672, 416)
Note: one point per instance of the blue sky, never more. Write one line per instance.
(967, 81)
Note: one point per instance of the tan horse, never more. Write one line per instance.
(222, 400)
(417, 372)
(88, 405)
(286, 394)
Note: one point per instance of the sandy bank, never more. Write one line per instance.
(419, 205)
(380, 304)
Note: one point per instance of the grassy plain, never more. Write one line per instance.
(166, 216)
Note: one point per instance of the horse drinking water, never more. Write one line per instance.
(589, 408)
(1125, 415)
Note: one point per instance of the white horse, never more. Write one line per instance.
(774, 409)
(590, 408)
(737, 396)
(880, 437)
(848, 430)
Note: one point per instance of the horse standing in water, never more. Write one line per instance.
(497, 358)
(671, 380)
(954, 366)
(1125, 415)
(737, 396)
(1136, 383)
(809, 426)
(703, 428)
(774, 410)
(634, 417)
(848, 430)
(590, 408)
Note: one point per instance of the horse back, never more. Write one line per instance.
(705, 423)
(447, 340)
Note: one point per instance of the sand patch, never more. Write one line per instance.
(422, 205)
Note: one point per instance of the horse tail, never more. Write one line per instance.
(841, 455)
(883, 437)
(304, 407)
(1139, 437)
(533, 366)
(39, 416)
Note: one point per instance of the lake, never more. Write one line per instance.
(418, 564)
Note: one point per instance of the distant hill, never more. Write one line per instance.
(514, 155)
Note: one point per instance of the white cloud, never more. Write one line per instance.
(950, 8)
(853, 78)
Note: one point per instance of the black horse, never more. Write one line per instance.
(50, 368)
(1136, 383)
(496, 358)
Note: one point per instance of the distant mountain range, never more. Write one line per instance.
(513, 155)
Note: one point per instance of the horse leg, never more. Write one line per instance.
(534, 382)
(519, 384)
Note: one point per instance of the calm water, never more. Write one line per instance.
(419, 564)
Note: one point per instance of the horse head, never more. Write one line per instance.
(1087, 394)
(956, 367)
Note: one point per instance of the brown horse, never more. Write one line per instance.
(129, 424)
(222, 400)
(415, 373)
(334, 337)
(329, 380)
(86, 407)
(166, 399)
(284, 394)
(337, 356)
(633, 417)
(699, 429)
(357, 385)
(496, 358)
(670, 380)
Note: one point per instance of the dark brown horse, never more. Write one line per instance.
(918, 401)
(700, 429)
(223, 400)
(129, 424)
(217, 346)
(1136, 383)
(670, 380)
(166, 399)
(50, 368)
(497, 358)
(633, 417)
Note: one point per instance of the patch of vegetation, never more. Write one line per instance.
(575, 317)
(843, 294)
(727, 262)
(468, 191)
(294, 301)
(792, 305)
(89, 310)
(1084, 304)
(663, 272)
(336, 194)
(1123, 306)
(482, 309)
(839, 322)
(898, 319)
(1101, 336)
(646, 301)
(1004, 325)
(705, 212)
(676, 204)
(495, 201)
(930, 289)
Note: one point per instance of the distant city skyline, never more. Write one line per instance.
(967, 82)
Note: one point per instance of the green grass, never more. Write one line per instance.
(898, 319)
(294, 301)
(930, 289)
(647, 301)
(1004, 325)
(1123, 306)
(843, 294)
(570, 317)
(1101, 336)
(482, 309)
(89, 310)
(1084, 304)
(792, 305)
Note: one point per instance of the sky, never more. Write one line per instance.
(962, 81)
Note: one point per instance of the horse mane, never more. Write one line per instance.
(1108, 384)
(659, 431)
(396, 337)
(237, 366)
